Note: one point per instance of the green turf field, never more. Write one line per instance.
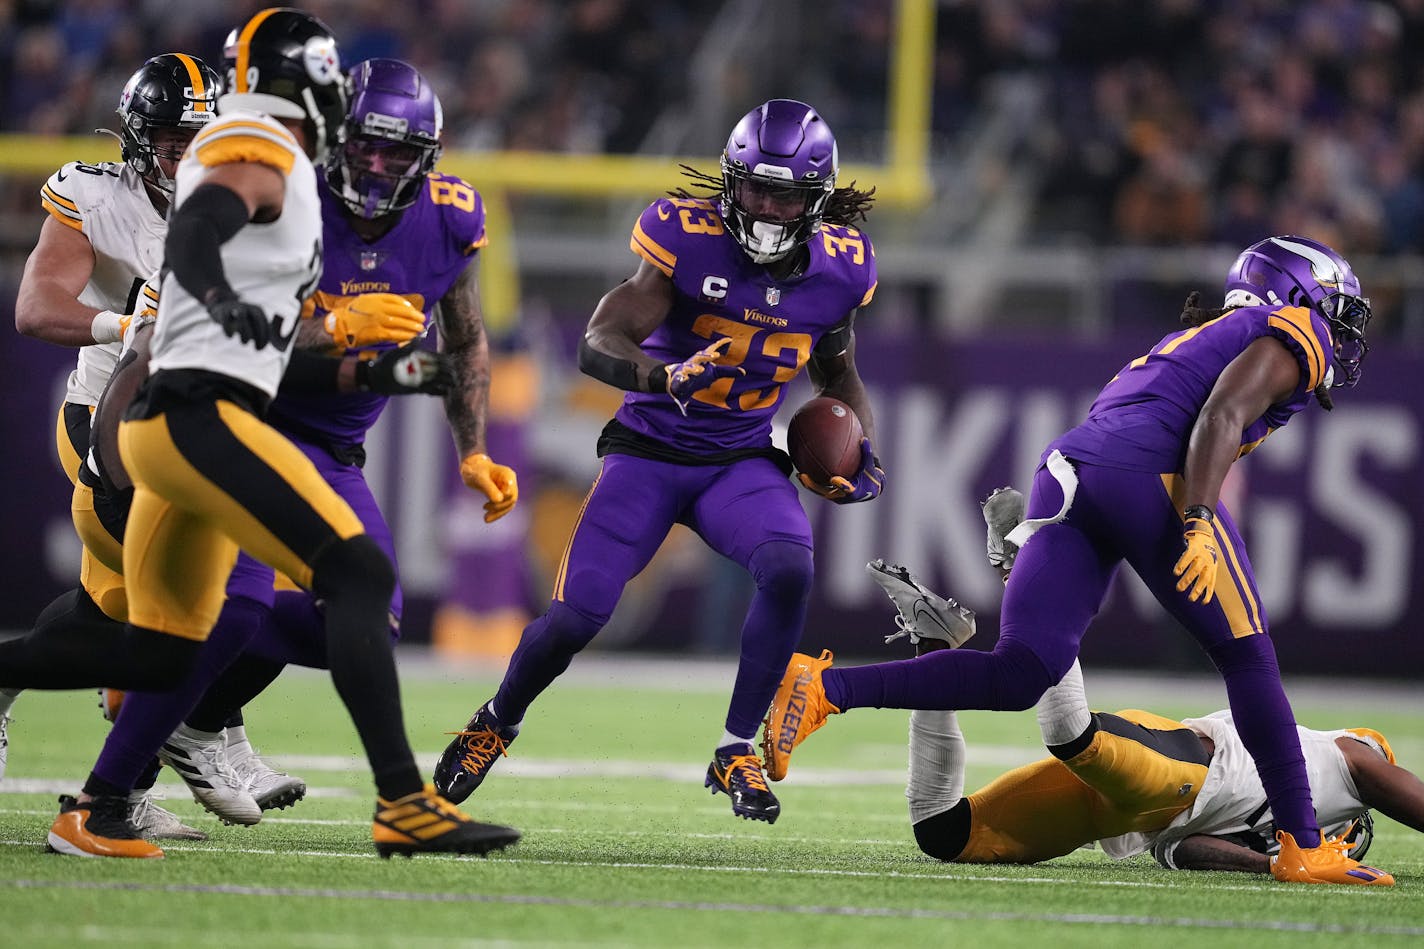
(623, 846)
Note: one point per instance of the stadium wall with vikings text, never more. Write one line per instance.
(1332, 506)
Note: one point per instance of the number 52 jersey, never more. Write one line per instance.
(275, 264)
(773, 324)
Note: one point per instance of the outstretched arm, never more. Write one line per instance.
(1394, 791)
(1204, 852)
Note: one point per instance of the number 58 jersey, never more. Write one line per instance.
(719, 292)
(274, 265)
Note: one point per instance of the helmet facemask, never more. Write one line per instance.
(770, 215)
(175, 92)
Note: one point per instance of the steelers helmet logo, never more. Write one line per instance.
(322, 61)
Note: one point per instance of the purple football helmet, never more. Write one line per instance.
(1297, 271)
(778, 172)
(392, 139)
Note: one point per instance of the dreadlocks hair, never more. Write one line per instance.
(1194, 314)
(845, 206)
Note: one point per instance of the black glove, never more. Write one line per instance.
(405, 371)
(242, 319)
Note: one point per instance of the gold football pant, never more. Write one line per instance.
(100, 566)
(1138, 773)
(210, 478)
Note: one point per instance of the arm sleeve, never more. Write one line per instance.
(197, 230)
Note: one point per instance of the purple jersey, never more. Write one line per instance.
(1143, 418)
(420, 259)
(773, 324)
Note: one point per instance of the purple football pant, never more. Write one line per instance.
(1057, 585)
(247, 622)
(747, 511)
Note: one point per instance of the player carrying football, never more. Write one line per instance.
(1139, 480)
(735, 294)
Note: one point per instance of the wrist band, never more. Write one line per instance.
(1198, 512)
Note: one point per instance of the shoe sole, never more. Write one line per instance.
(477, 848)
(57, 844)
(282, 798)
(741, 812)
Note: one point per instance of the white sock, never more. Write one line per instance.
(1063, 713)
(936, 764)
(729, 739)
(7, 699)
(237, 738)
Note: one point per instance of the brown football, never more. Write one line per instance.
(823, 440)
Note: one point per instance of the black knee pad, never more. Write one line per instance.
(944, 836)
(353, 567)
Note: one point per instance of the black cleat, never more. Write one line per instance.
(424, 822)
(736, 772)
(467, 759)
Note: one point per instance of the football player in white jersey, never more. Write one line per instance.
(102, 238)
(210, 476)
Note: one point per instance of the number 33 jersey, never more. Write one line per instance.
(773, 324)
(109, 205)
(274, 265)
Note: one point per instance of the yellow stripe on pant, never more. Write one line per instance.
(97, 573)
(200, 470)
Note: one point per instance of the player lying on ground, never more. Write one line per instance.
(1130, 780)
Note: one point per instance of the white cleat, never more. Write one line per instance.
(920, 613)
(158, 823)
(269, 788)
(1003, 511)
(200, 759)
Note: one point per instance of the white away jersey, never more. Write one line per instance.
(1232, 800)
(108, 203)
(275, 265)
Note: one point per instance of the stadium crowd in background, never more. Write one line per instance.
(1182, 121)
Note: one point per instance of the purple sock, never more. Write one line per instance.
(148, 718)
(1266, 724)
(1012, 677)
(783, 572)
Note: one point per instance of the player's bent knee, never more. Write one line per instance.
(161, 661)
(783, 568)
(570, 629)
(356, 566)
(1020, 676)
(944, 836)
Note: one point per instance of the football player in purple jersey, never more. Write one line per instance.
(398, 239)
(1139, 481)
(735, 294)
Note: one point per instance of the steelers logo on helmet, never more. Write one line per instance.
(322, 60)
(285, 63)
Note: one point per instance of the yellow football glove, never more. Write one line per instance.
(374, 318)
(1197, 565)
(498, 483)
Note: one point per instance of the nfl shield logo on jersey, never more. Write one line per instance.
(370, 260)
(773, 296)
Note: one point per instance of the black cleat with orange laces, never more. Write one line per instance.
(467, 759)
(736, 772)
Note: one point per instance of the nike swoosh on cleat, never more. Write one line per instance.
(922, 610)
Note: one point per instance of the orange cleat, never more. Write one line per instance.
(800, 707)
(1324, 864)
(98, 828)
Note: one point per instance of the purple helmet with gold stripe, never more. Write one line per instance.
(1298, 271)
